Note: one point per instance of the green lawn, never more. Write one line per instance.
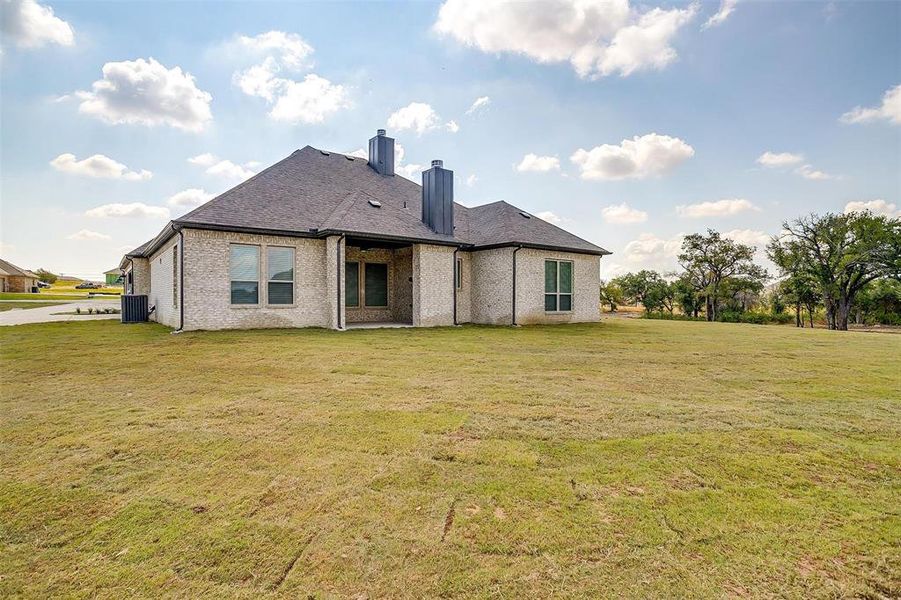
(632, 458)
(24, 305)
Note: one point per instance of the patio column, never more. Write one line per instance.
(334, 281)
(433, 285)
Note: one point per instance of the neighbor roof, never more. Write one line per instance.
(13, 271)
(315, 193)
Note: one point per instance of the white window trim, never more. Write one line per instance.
(571, 294)
(259, 248)
(293, 303)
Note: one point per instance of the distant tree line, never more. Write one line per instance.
(845, 266)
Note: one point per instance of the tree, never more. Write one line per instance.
(711, 259)
(842, 254)
(686, 296)
(46, 276)
(611, 294)
(879, 302)
(646, 287)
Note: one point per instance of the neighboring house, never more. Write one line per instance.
(17, 279)
(321, 239)
(113, 276)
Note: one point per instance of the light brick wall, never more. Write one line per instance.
(433, 285)
(492, 282)
(530, 287)
(162, 289)
(208, 285)
(21, 285)
(141, 269)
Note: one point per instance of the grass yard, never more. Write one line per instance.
(632, 458)
(24, 305)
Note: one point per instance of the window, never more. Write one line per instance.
(352, 284)
(558, 285)
(458, 273)
(376, 291)
(244, 271)
(175, 276)
(280, 287)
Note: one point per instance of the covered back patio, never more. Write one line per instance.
(378, 283)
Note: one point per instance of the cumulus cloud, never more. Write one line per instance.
(310, 100)
(779, 159)
(647, 252)
(190, 198)
(28, 24)
(411, 171)
(145, 92)
(452, 126)
(649, 155)
(86, 235)
(623, 214)
(133, 210)
(808, 172)
(99, 166)
(597, 37)
(538, 164)
(479, 104)
(877, 207)
(471, 180)
(222, 167)
(889, 110)
(417, 116)
(719, 208)
(726, 9)
(550, 217)
(750, 237)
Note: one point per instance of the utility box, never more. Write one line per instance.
(134, 308)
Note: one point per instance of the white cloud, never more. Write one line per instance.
(309, 101)
(87, 235)
(646, 156)
(808, 172)
(452, 126)
(290, 49)
(418, 116)
(133, 210)
(726, 9)
(649, 252)
(750, 237)
(779, 159)
(31, 25)
(889, 110)
(538, 164)
(99, 166)
(597, 37)
(623, 214)
(719, 208)
(412, 172)
(223, 168)
(190, 197)
(480, 104)
(549, 217)
(877, 207)
(145, 92)
(471, 180)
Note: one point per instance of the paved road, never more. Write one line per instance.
(45, 314)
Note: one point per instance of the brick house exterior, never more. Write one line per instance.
(321, 239)
(16, 279)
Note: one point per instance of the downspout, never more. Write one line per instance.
(455, 283)
(517, 249)
(338, 278)
(181, 280)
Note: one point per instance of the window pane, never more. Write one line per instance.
(566, 302)
(376, 284)
(281, 293)
(550, 276)
(245, 292)
(245, 263)
(550, 302)
(281, 264)
(566, 278)
(351, 284)
(458, 273)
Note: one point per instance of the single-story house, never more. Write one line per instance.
(17, 279)
(322, 239)
(113, 276)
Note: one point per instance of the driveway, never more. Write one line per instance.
(47, 314)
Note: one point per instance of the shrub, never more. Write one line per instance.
(77, 310)
(91, 311)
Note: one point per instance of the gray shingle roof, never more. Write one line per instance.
(311, 192)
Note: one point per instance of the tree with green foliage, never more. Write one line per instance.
(646, 287)
(611, 294)
(879, 302)
(46, 276)
(842, 253)
(687, 297)
(711, 259)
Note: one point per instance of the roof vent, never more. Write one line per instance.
(437, 163)
(526, 215)
(348, 157)
(375, 203)
(380, 132)
(324, 152)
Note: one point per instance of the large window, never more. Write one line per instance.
(376, 290)
(352, 284)
(558, 285)
(244, 271)
(280, 261)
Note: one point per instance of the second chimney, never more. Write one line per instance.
(381, 153)
(438, 198)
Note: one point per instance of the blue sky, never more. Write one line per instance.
(645, 122)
